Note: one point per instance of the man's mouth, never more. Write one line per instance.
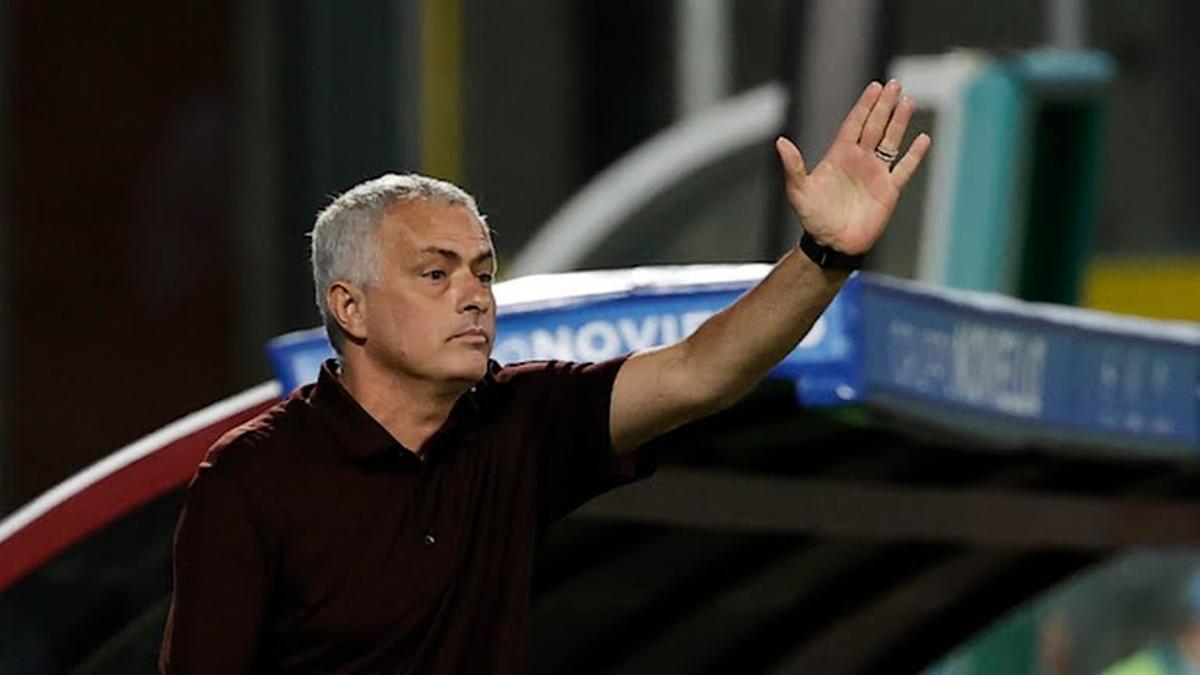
(472, 335)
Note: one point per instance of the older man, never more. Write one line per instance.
(384, 518)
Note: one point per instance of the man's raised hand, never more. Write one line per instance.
(847, 200)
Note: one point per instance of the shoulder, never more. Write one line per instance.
(550, 372)
(257, 444)
(549, 388)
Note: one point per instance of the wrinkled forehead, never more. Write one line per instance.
(418, 224)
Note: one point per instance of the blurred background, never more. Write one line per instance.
(162, 162)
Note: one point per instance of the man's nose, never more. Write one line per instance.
(477, 297)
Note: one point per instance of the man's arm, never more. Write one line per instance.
(845, 203)
(220, 582)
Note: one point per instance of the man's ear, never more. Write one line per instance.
(348, 305)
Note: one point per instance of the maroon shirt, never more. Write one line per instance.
(313, 542)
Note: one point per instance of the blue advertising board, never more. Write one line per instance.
(595, 326)
(1071, 373)
(1040, 369)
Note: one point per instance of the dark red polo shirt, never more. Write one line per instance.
(313, 542)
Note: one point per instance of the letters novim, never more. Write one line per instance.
(603, 339)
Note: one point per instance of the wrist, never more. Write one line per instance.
(828, 257)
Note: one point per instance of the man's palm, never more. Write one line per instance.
(849, 197)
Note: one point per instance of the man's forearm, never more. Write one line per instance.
(844, 203)
(732, 351)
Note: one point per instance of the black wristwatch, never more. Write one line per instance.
(829, 258)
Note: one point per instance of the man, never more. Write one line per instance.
(384, 519)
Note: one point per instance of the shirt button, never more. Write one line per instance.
(430, 540)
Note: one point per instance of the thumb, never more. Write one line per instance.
(792, 160)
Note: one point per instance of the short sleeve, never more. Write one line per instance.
(220, 582)
(570, 421)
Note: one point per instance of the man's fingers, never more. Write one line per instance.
(908, 164)
(894, 136)
(881, 113)
(852, 127)
(790, 157)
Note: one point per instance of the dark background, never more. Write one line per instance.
(161, 163)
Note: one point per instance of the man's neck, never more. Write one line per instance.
(411, 410)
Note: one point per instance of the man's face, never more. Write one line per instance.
(431, 316)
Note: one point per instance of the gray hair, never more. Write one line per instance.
(343, 239)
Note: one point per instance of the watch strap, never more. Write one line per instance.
(829, 258)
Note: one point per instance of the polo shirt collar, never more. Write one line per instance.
(361, 435)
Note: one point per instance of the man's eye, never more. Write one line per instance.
(436, 275)
(486, 277)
